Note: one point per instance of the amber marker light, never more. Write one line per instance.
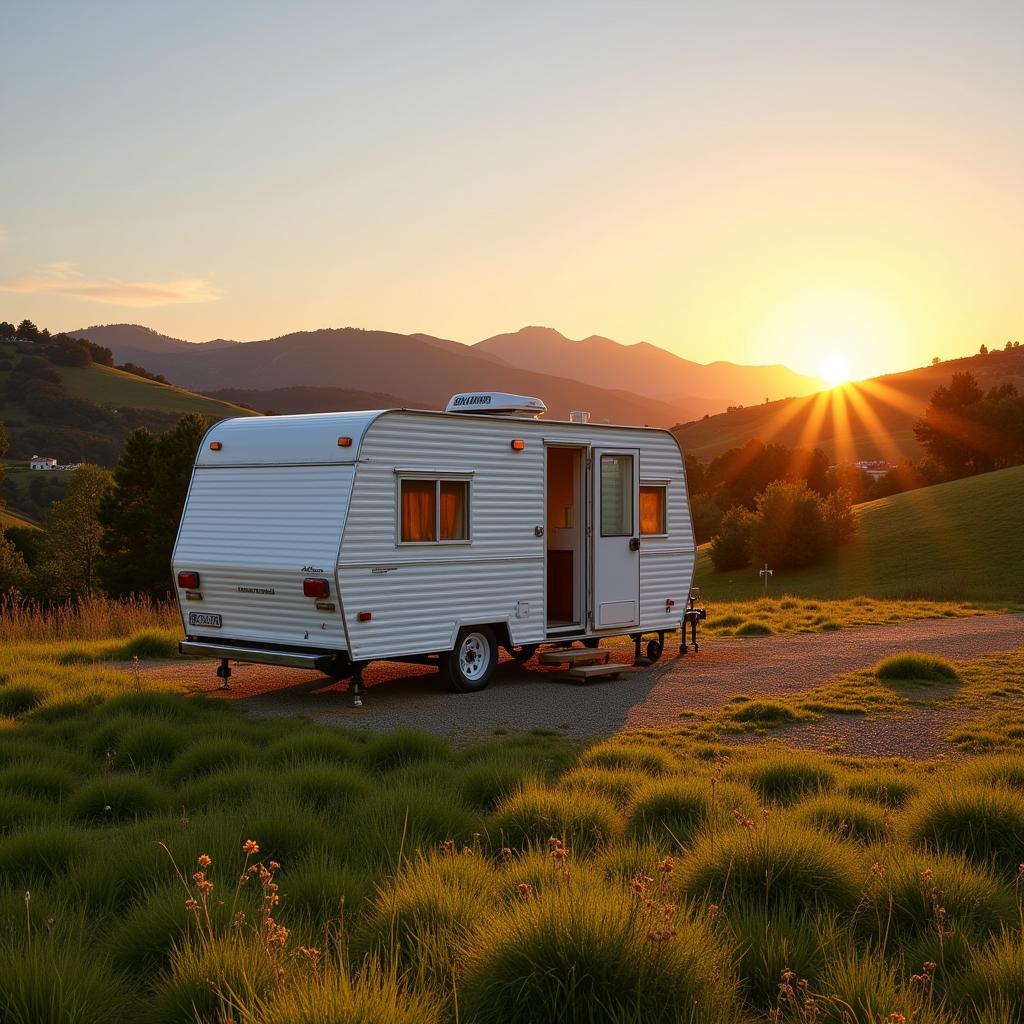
(344, 442)
(215, 446)
(518, 444)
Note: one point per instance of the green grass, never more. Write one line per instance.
(686, 874)
(932, 543)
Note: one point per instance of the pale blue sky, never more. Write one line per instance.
(748, 181)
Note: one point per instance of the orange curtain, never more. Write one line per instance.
(418, 510)
(652, 510)
(453, 510)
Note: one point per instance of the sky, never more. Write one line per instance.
(824, 185)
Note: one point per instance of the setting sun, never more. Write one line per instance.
(835, 369)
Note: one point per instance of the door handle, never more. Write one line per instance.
(634, 544)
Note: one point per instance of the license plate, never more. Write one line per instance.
(210, 619)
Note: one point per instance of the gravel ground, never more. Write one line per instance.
(521, 698)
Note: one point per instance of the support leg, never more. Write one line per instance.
(639, 659)
(357, 687)
(224, 674)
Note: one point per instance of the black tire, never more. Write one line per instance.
(468, 667)
(654, 650)
(523, 653)
(593, 642)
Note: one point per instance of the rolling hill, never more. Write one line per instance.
(646, 369)
(958, 541)
(286, 401)
(871, 419)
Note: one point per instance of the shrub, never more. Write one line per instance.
(785, 776)
(323, 888)
(534, 815)
(754, 629)
(587, 955)
(46, 851)
(207, 756)
(670, 812)
(118, 798)
(16, 700)
(225, 788)
(845, 817)
(777, 864)
(488, 781)
(789, 530)
(618, 785)
(39, 780)
(307, 745)
(985, 824)
(629, 757)
(402, 747)
(911, 666)
(324, 786)
(332, 994)
(152, 743)
(285, 830)
(149, 644)
(142, 938)
(730, 548)
(768, 713)
(55, 982)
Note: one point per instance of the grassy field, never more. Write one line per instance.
(105, 385)
(959, 541)
(8, 518)
(165, 859)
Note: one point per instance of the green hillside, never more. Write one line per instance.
(9, 518)
(956, 541)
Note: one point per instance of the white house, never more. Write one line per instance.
(42, 462)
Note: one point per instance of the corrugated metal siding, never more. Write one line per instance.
(260, 527)
(420, 594)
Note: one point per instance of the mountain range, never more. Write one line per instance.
(343, 367)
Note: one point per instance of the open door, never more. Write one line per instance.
(616, 538)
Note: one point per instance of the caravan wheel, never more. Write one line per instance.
(469, 665)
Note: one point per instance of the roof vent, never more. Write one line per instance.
(496, 403)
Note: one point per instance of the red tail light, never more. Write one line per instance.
(316, 588)
(188, 580)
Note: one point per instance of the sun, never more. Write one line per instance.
(835, 369)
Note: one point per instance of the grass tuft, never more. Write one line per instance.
(534, 815)
(914, 667)
(785, 776)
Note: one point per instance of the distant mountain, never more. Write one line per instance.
(871, 419)
(647, 369)
(286, 401)
(425, 369)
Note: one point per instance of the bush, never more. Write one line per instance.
(670, 812)
(488, 781)
(587, 956)
(914, 667)
(115, 798)
(985, 824)
(786, 776)
(778, 864)
(152, 743)
(207, 756)
(142, 938)
(789, 530)
(43, 852)
(38, 780)
(618, 785)
(324, 786)
(308, 745)
(16, 700)
(534, 815)
(754, 629)
(629, 757)
(323, 888)
(730, 548)
(402, 747)
(149, 644)
(845, 817)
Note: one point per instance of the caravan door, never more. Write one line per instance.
(616, 538)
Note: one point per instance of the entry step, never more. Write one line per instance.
(584, 673)
(574, 656)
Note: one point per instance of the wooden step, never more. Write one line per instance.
(584, 673)
(573, 656)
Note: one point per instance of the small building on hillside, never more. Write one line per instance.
(875, 468)
(42, 462)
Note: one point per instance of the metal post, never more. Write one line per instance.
(357, 686)
(764, 574)
(224, 674)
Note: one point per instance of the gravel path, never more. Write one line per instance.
(411, 696)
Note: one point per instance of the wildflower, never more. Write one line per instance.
(661, 934)
(713, 910)
(203, 860)
(239, 919)
(525, 890)
(897, 1018)
(927, 876)
(559, 852)
(191, 904)
(877, 870)
(311, 953)
(667, 865)
(448, 847)
(250, 847)
(274, 866)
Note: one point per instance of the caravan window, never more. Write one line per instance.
(653, 504)
(433, 511)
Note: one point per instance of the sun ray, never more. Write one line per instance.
(842, 438)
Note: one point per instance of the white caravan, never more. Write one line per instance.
(328, 541)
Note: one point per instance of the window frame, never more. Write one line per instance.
(634, 494)
(437, 477)
(663, 486)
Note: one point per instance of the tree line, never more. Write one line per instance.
(112, 533)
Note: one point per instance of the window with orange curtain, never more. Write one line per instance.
(419, 510)
(454, 506)
(652, 508)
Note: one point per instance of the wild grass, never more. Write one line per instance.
(24, 621)
(653, 876)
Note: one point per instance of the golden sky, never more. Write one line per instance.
(796, 182)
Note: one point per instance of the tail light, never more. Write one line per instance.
(188, 580)
(316, 588)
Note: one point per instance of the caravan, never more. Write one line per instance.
(332, 540)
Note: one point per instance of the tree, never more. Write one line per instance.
(7, 331)
(14, 571)
(730, 549)
(4, 445)
(71, 542)
(790, 530)
(838, 512)
(128, 565)
(983, 351)
(27, 331)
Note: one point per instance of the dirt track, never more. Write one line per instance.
(411, 696)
